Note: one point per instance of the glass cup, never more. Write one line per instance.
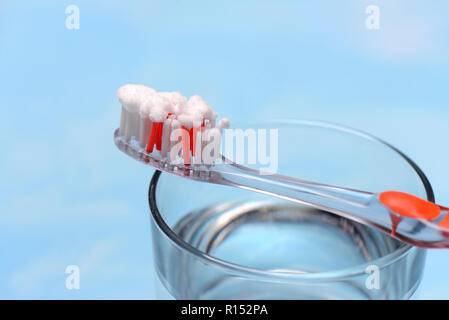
(220, 242)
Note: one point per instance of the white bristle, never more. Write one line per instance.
(145, 123)
(123, 120)
(144, 131)
(132, 125)
(129, 98)
(195, 99)
(213, 118)
(175, 124)
(140, 135)
(145, 91)
(166, 137)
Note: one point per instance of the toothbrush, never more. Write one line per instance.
(150, 120)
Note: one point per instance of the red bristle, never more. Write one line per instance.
(186, 146)
(152, 138)
(193, 137)
(159, 136)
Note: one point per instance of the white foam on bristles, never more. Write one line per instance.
(129, 96)
(197, 106)
(177, 100)
(185, 120)
(197, 119)
(224, 124)
(159, 108)
(158, 115)
(132, 125)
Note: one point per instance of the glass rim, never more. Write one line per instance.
(242, 270)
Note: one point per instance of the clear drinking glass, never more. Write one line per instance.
(219, 242)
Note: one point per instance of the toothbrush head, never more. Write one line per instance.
(169, 132)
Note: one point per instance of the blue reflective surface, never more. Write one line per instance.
(69, 197)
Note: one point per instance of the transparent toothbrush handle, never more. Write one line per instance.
(361, 206)
(325, 197)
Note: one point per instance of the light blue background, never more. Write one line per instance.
(68, 196)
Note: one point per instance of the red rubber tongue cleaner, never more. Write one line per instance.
(406, 205)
